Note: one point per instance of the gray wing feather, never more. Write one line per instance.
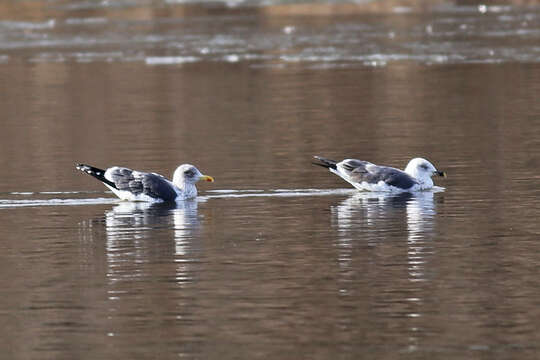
(150, 184)
(360, 171)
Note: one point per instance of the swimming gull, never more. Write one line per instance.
(135, 185)
(364, 175)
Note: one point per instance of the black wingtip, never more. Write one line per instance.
(90, 170)
(95, 172)
(325, 163)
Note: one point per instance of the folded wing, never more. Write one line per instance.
(358, 171)
(141, 183)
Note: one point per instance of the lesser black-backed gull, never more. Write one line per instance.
(135, 185)
(364, 175)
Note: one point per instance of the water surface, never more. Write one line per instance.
(277, 258)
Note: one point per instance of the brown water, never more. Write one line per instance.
(277, 258)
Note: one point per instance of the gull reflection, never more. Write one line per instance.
(378, 216)
(383, 220)
(420, 215)
(138, 233)
(367, 209)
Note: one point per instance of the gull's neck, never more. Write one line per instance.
(423, 178)
(185, 189)
(425, 182)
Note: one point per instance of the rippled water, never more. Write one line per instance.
(277, 258)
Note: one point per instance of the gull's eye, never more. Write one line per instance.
(189, 173)
(424, 166)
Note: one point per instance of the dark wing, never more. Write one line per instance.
(137, 182)
(353, 165)
(360, 171)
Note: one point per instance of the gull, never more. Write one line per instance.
(136, 185)
(364, 175)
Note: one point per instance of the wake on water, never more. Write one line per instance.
(68, 198)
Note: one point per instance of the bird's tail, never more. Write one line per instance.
(326, 163)
(95, 172)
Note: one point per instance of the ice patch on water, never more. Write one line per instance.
(449, 8)
(27, 25)
(170, 60)
(232, 58)
(92, 4)
(228, 3)
(86, 21)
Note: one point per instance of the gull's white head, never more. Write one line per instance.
(422, 170)
(185, 176)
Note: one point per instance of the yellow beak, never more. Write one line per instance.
(207, 178)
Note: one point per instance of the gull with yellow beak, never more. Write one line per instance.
(364, 175)
(135, 185)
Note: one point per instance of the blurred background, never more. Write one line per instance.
(156, 83)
